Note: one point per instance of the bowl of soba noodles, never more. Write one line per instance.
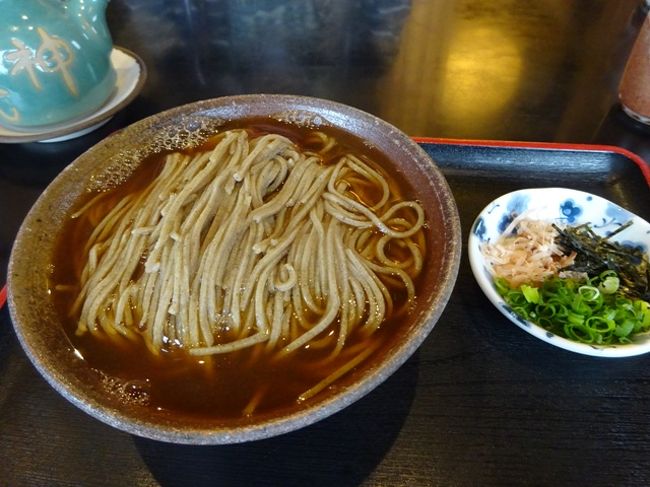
(235, 268)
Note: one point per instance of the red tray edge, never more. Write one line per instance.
(643, 166)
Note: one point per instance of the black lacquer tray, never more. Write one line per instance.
(481, 401)
(480, 171)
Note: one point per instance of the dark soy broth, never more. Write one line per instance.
(215, 388)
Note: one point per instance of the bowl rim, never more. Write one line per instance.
(481, 272)
(275, 425)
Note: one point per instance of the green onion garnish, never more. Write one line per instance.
(587, 311)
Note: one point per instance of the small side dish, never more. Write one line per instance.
(568, 267)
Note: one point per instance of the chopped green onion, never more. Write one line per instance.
(625, 328)
(530, 293)
(589, 311)
(610, 283)
(589, 293)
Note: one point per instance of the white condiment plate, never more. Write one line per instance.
(562, 206)
(131, 75)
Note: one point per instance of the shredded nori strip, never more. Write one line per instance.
(596, 254)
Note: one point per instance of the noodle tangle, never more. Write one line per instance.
(252, 243)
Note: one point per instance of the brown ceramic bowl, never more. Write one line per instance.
(41, 333)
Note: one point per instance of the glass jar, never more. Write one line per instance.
(634, 89)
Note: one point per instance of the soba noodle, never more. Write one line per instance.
(252, 243)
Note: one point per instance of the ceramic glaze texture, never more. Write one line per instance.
(121, 153)
(54, 61)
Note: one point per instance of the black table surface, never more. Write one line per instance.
(481, 402)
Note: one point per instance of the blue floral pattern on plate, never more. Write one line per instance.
(479, 229)
(517, 205)
(570, 210)
(564, 207)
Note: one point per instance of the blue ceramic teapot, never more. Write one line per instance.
(54, 61)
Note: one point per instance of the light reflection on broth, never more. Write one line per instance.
(340, 290)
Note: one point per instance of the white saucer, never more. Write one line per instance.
(131, 75)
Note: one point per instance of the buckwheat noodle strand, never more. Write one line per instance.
(254, 243)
